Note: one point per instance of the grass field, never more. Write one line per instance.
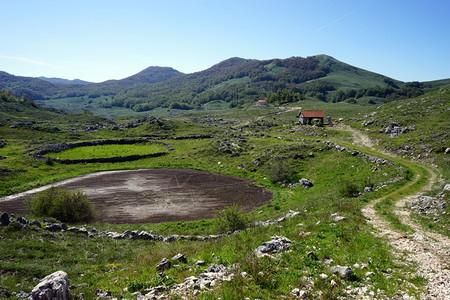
(266, 143)
(109, 151)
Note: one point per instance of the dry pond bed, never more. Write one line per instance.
(156, 195)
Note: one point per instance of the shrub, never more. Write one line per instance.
(280, 171)
(64, 205)
(348, 189)
(232, 218)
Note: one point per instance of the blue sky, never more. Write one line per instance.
(97, 40)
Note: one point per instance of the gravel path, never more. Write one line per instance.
(430, 250)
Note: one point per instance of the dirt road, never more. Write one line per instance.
(431, 251)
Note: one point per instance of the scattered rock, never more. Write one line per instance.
(103, 295)
(447, 186)
(367, 122)
(303, 233)
(301, 294)
(368, 189)
(191, 285)
(394, 129)
(55, 227)
(324, 276)
(289, 215)
(200, 263)
(276, 244)
(154, 292)
(54, 286)
(23, 221)
(370, 274)
(36, 223)
(180, 257)
(4, 292)
(164, 264)
(428, 205)
(345, 272)
(337, 217)
(306, 183)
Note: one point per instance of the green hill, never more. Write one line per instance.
(35, 88)
(45, 89)
(239, 81)
(230, 83)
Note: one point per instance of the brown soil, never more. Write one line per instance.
(156, 195)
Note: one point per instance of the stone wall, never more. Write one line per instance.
(55, 148)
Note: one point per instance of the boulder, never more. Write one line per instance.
(54, 227)
(164, 264)
(180, 257)
(23, 221)
(54, 286)
(345, 272)
(200, 263)
(36, 223)
(305, 182)
(276, 244)
(5, 220)
(368, 189)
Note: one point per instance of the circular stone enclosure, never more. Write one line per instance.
(156, 195)
(57, 148)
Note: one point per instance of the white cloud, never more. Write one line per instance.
(25, 60)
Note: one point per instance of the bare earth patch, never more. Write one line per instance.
(156, 195)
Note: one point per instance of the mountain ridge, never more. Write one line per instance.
(64, 81)
(235, 81)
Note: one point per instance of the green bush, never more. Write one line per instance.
(281, 171)
(64, 205)
(232, 218)
(348, 189)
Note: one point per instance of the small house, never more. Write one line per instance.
(261, 103)
(311, 117)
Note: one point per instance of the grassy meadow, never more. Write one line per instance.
(267, 145)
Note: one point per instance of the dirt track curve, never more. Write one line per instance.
(431, 251)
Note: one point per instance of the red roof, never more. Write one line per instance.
(312, 114)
